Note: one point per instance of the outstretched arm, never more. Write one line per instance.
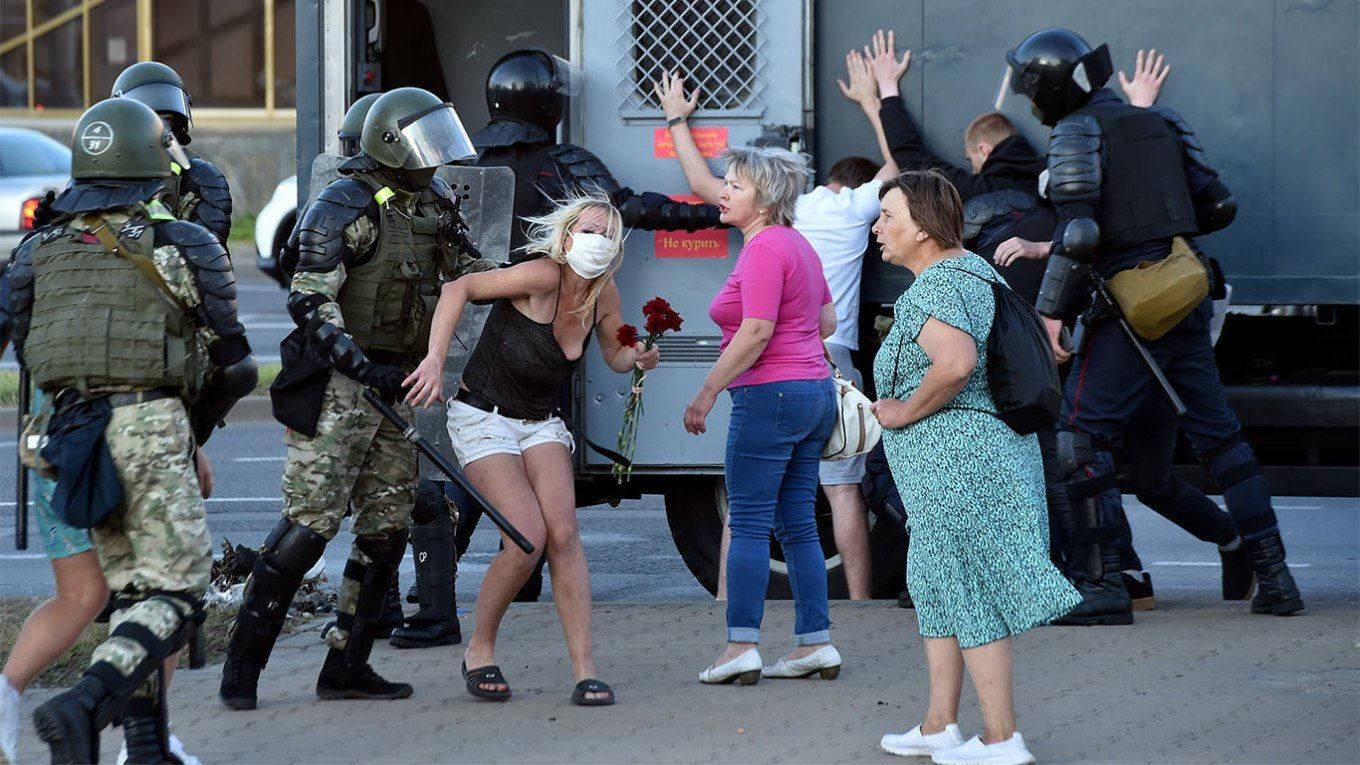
(527, 278)
(670, 89)
(1149, 72)
(864, 91)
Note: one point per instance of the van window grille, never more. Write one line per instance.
(715, 44)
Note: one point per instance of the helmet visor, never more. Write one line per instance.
(160, 96)
(176, 152)
(567, 77)
(436, 137)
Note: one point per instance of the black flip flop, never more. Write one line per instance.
(488, 674)
(579, 697)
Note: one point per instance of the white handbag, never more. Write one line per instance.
(856, 430)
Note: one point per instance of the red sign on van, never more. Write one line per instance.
(711, 141)
(708, 243)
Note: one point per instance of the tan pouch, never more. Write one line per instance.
(34, 438)
(1157, 294)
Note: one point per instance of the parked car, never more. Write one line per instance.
(31, 164)
(273, 224)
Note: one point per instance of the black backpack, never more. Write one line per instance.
(1021, 370)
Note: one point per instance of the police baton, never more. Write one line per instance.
(409, 432)
(21, 477)
(1171, 396)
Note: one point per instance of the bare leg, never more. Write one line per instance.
(54, 626)
(722, 562)
(550, 473)
(990, 668)
(850, 525)
(502, 479)
(944, 663)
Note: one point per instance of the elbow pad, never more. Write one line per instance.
(1081, 239)
(301, 306)
(226, 386)
(1215, 208)
(1064, 287)
(337, 346)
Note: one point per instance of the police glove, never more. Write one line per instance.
(383, 378)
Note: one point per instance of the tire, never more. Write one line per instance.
(696, 513)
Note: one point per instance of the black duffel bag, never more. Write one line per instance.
(1021, 370)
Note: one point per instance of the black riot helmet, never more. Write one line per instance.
(530, 85)
(352, 126)
(1057, 71)
(161, 88)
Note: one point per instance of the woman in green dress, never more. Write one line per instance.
(973, 489)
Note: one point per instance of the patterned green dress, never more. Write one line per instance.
(973, 489)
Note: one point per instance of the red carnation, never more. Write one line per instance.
(656, 305)
(628, 335)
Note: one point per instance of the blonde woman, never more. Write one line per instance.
(503, 422)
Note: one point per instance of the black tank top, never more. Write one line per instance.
(518, 364)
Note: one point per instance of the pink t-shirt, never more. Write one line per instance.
(778, 277)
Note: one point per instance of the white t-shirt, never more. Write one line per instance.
(836, 224)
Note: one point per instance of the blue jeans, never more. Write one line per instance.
(774, 444)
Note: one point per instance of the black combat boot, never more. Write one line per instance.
(288, 552)
(146, 730)
(436, 623)
(1239, 578)
(1276, 594)
(392, 614)
(346, 673)
(70, 722)
(1104, 598)
(346, 678)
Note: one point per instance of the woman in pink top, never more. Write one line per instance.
(774, 311)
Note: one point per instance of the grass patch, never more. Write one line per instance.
(68, 667)
(9, 383)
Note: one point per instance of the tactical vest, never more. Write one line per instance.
(388, 302)
(1144, 194)
(99, 324)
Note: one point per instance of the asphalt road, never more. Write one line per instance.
(259, 303)
(631, 554)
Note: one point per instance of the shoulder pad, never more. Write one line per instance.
(507, 133)
(347, 192)
(1189, 141)
(582, 169)
(210, 265)
(20, 269)
(985, 208)
(184, 234)
(213, 210)
(1074, 160)
(320, 232)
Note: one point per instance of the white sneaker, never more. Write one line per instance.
(914, 743)
(1012, 751)
(9, 722)
(826, 660)
(745, 669)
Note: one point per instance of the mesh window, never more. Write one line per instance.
(715, 44)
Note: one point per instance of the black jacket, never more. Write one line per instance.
(1013, 163)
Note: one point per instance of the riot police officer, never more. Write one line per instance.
(135, 327)
(372, 255)
(1124, 181)
(198, 191)
(526, 94)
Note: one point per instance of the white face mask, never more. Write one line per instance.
(590, 254)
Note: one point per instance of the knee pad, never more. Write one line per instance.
(1244, 488)
(1075, 458)
(1233, 464)
(291, 549)
(385, 554)
(431, 503)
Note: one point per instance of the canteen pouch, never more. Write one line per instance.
(1156, 295)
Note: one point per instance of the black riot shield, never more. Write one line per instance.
(487, 204)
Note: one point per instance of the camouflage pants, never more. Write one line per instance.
(358, 461)
(158, 541)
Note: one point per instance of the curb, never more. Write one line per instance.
(248, 409)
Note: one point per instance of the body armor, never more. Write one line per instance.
(100, 324)
(388, 300)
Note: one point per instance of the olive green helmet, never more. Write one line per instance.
(352, 126)
(119, 139)
(161, 88)
(411, 129)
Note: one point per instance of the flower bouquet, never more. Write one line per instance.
(660, 318)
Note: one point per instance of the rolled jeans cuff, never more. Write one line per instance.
(743, 634)
(813, 638)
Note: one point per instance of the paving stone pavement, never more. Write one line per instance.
(1196, 681)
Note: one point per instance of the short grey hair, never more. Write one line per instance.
(779, 177)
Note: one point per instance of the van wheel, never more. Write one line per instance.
(696, 513)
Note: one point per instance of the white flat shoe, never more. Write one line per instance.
(914, 743)
(1012, 751)
(825, 661)
(745, 669)
(9, 722)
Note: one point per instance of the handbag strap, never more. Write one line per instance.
(99, 226)
(835, 370)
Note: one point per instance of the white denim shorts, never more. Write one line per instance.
(476, 434)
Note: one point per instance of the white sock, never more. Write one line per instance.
(7, 688)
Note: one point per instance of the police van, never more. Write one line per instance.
(1267, 86)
